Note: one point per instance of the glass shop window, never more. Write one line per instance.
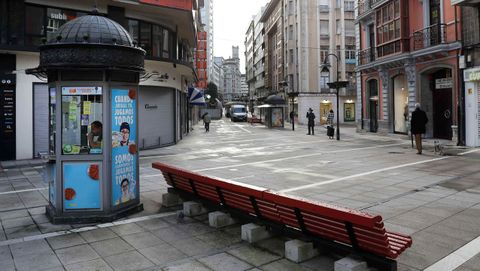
(146, 37)
(34, 25)
(82, 120)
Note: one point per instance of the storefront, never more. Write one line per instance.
(7, 108)
(400, 104)
(472, 106)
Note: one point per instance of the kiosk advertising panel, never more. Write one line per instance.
(124, 148)
(81, 185)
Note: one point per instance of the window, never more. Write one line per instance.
(146, 37)
(156, 41)
(34, 21)
(165, 44)
(388, 29)
(290, 53)
(324, 28)
(82, 120)
(133, 29)
(339, 27)
(290, 7)
(324, 5)
(349, 28)
(290, 32)
(349, 6)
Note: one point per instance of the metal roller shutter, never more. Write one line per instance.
(40, 119)
(156, 117)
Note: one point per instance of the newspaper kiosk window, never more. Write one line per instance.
(82, 120)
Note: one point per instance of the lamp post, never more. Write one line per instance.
(334, 85)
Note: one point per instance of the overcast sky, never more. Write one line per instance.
(231, 19)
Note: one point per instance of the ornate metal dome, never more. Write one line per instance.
(92, 29)
(90, 42)
(275, 100)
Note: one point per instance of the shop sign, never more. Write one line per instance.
(81, 90)
(151, 106)
(178, 4)
(443, 83)
(124, 148)
(472, 74)
(59, 16)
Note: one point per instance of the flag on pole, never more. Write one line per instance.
(195, 97)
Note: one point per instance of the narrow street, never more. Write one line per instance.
(435, 199)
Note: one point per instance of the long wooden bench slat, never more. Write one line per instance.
(327, 210)
(325, 220)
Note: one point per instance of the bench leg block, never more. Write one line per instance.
(299, 251)
(219, 219)
(253, 233)
(351, 264)
(192, 208)
(170, 200)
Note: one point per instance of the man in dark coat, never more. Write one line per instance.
(418, 122)
(311, 121)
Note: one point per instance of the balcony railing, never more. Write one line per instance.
(366, 56)
(363, 6)
(430, 36)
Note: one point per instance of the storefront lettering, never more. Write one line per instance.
(58, 16)
(474, 76)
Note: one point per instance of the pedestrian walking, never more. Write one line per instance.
(206, 122)
(311, 121)
(418, 122)
(292, 116)
(330, 117)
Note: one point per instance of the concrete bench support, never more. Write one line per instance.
(192, 208)
(253, 233)
(351, 264)
(299, 251)
(170, 200)
(219, 219)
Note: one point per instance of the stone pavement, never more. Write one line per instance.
(434, 198)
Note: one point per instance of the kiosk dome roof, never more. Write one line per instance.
(92, 29)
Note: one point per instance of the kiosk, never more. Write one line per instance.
(93, 69)
(274, 111)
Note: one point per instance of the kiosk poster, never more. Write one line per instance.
(124, 149)
(81, 185)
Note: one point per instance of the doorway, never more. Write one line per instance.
(325, 107)
(400, 104)
(373, 105)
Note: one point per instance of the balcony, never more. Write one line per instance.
(433, 35)
(366, 56)
(363, 6)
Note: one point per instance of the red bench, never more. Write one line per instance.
(342, 228)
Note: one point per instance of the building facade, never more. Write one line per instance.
(206, 14)
(408, 53)
(469, 133)
(313, 30)
(166, 31)
(231, 76)
(218, 75)
(249, 60)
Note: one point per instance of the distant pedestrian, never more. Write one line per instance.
(418, 122)
(311, 121)
(206, 122)
(330, 117)
(292, 116)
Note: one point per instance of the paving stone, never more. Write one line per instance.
(76, 254)
(253, 256)
(49, 227)
(13, 214)
(193, 246)
(274, 245)
(283, 265)
(131, 260)
(7, 265)
(31, 247)
(38, 261)
(188, 266)
(67, 240)
(320, 263)
(97, 265)
(40, 219)
(162, 254)
(5, 254)
(224, 261)
(142, 240)
(153, 224)
(171, 234)
(127, 229)
(111, 247)
(17, 222)
(219, 239)
(98, 235)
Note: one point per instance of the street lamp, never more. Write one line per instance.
(334, 85)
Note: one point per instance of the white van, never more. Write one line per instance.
(238, 112)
